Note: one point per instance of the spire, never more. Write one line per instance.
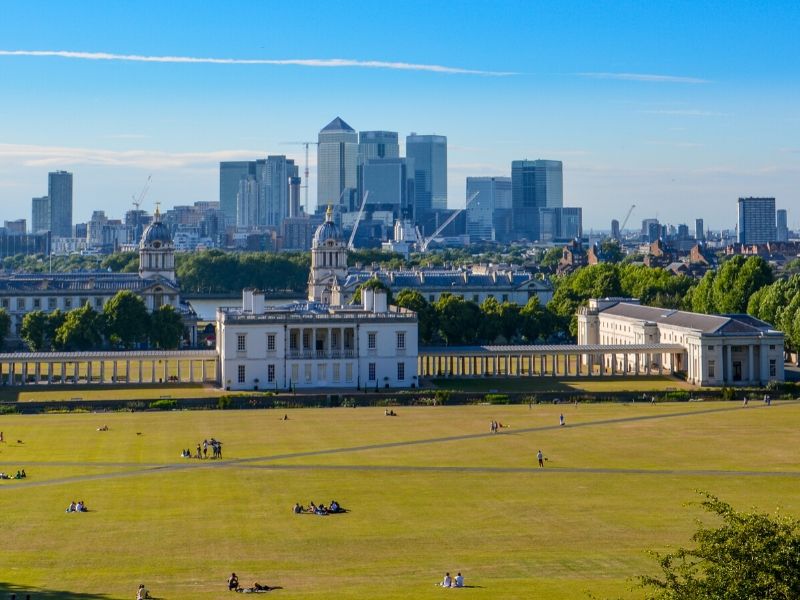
(157, 214)
(329, 214)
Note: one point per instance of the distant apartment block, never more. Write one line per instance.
(757, 223)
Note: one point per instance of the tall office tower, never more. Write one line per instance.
(654, 231)
(294, 196)
(230, 173)
(17, 227)
(377, 144)
(782, 230)
(273, 175)
(683, 232)
(337, 164)
(40, 214)
(615, 229)
(390, 186)
(535, 184)
(429, 153)
(247, 206)
(560, 224)
(756, 220)
(699, 233)
(59, 190)
(646, 229)
(489, 214)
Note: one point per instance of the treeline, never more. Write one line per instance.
(124, 322)
(779, 305)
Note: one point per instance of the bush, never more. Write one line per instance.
(677, 396)
(728, 393)
(496, 398)
(442, 397)
(164, 404)
(224, 402)
(5, 409)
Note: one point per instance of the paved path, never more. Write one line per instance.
(137, 469)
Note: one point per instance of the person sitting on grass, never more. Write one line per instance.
(142, 593)
(72, 507)
(81, 507)
(312, 508)
(458, 581)
(298, 508)
(233, 582)
(321, 510)
(447, 581)
(334, 507)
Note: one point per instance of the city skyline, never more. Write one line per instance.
(681, 106)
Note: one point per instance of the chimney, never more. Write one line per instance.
(380, 302)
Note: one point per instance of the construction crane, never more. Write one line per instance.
(423, 244)
(358, 220)
(628, 216)
(305, 169)
(137, 201)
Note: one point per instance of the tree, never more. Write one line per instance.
(80, 330)
(509, 320)
(166, 328)
(458, 319)
(702, 300)
(534, 320)
(611, 251)
(126, 319)
(749, 555)
(426, 315)
(5, 325)
(34, 330)
(55, 320)
(736, 281)
(491, 320)
(371, 284)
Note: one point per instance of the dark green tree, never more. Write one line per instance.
(702, 296)
(126, 319)
(371, 284)
(489, 327)
(551, 257)
(426, 314)
(534, 320)
(55, 320)
(166, 328)
(81, 329)
(34, 330)
(611, 250)
(748, 555)
(5, 325)
(738, 279)
(458, 319)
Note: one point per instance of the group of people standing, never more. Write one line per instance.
(202, 450)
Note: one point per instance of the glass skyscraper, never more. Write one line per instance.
(59, 190)
(337, 162)
(230, 174)
(757, 220)
(535, 184)
(489, 214)
(378, 144)
(429, 153)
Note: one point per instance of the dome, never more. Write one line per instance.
(328, 230)
(156, 234)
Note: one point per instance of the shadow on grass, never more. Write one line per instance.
(17, 592)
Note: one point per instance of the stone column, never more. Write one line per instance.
(102, 371)
(728, 364)
(750, 375)
(114, 371)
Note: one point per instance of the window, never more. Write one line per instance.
(712, 370)
(401, 340)
(20, 303)
(772, 346)
(334, 338)
(37, 303)
(241, 374)
(773, 368)
(98, 303)
(371, 371)
(293, 341)
(307, 373)
(401, 371)
(295, 373)
(306, 341)
(475, 298)
(67, 302)
(372, 340)
(336, 372)
(505, 297)
(52, 303)
(711, 347)
(271, 373)
(84, 301)
(241, 342)
(348, 372)
(5, 302)
(270, 342)
(431, 298)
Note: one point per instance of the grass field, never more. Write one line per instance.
(429, 491)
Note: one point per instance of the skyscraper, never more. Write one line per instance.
(59, 190)
(535, 184)
(699, 233)
(782, 230)
(429, 153)
(615, 229)
(489, 214)
(230, 173)
(378, 144)
(389, 184)
(40, 214)
(337, 162)
(273, 175)
(757, 220)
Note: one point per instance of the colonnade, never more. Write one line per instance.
(108, 368)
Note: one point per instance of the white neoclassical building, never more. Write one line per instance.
(316, 344)
(717, 349)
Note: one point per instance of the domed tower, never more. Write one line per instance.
(156, 251)
(328, 260)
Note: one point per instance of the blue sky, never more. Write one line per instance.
(677, 107)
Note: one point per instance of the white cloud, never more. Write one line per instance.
(56, 156)
(301, 62)
(690, 112)
(644, 77)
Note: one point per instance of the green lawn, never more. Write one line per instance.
(46, 393)
(429, 491)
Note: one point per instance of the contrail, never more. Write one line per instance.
(646, 77)
(328, 63)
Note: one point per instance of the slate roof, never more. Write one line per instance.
(97, 281)
(337, 125)
(439, 279)
(711, 324)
